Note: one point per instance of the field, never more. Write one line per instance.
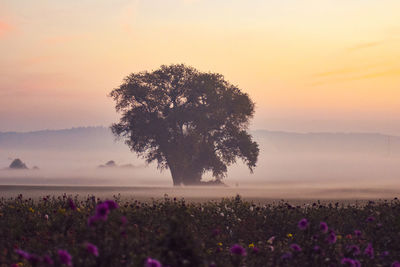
(67, 230)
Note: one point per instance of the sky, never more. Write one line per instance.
(309, 65)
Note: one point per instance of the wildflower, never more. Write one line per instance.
(357, 233)
(396, 264)
(92, 249)
(47, 260)
(238, 250)
(251, 245)
(350, 262)
(111, 204)
(102, 211)
(286, 256)
(339, 237)
(385, 254)
(332, 238)
(295, 247)
(303, 224)
(289, 235)
(317, 249)
(369, 251)
(65, 257)
(349, 236)
(354, 249)
(152, 263)
(71, 204)
(31, 210)
(46, 217)
(323, 226)
(255, 250)
(219, 244)
(370, 219)
(22, 253)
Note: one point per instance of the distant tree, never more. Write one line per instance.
(18, 164)
(188, 121)
(109, 164)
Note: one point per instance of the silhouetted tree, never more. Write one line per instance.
(18, 164)
(188, 121)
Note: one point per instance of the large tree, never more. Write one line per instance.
(186, 120)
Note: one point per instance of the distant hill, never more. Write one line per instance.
(360, 143)
(83, 138)
(101, 138)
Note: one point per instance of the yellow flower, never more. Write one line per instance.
(289, 235)
(339, 237)
(31, 210)
(20, 264)
(219, 244)
(78, 209)
(251, 245)
(62, 211)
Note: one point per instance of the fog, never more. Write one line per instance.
(290, 166)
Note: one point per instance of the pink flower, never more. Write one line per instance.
(238, 250)
(323, 226)
(111, 204)
(71, 204)
(369, 251)
(152, 263)
(92, 249)
(65, 257)
(303, 224)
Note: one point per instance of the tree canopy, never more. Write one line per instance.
(187, 121)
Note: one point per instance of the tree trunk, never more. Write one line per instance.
(186, 175)
(191, 177)
(176, 175)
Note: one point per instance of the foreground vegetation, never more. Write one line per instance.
(69, 231)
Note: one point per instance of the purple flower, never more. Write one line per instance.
(396, 264)
(370, 219)
(71, 204)
(295, 247)
(286, 256)
(238, 250)
(369, 251)
(152, 263)
(354, 249)
(22, 253)
(303, 224)
(357, 233)
(47, 260)
(102, 211)
(350, 262)
(65, 257)
(92, 249)
(323, 226)
(385, 253)
(112, 205)
(332, 238)
(256, 250)
(317, 249)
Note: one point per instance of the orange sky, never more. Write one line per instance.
(310, 65)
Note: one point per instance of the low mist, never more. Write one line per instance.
(290, 165)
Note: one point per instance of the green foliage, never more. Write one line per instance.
(185, 120)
